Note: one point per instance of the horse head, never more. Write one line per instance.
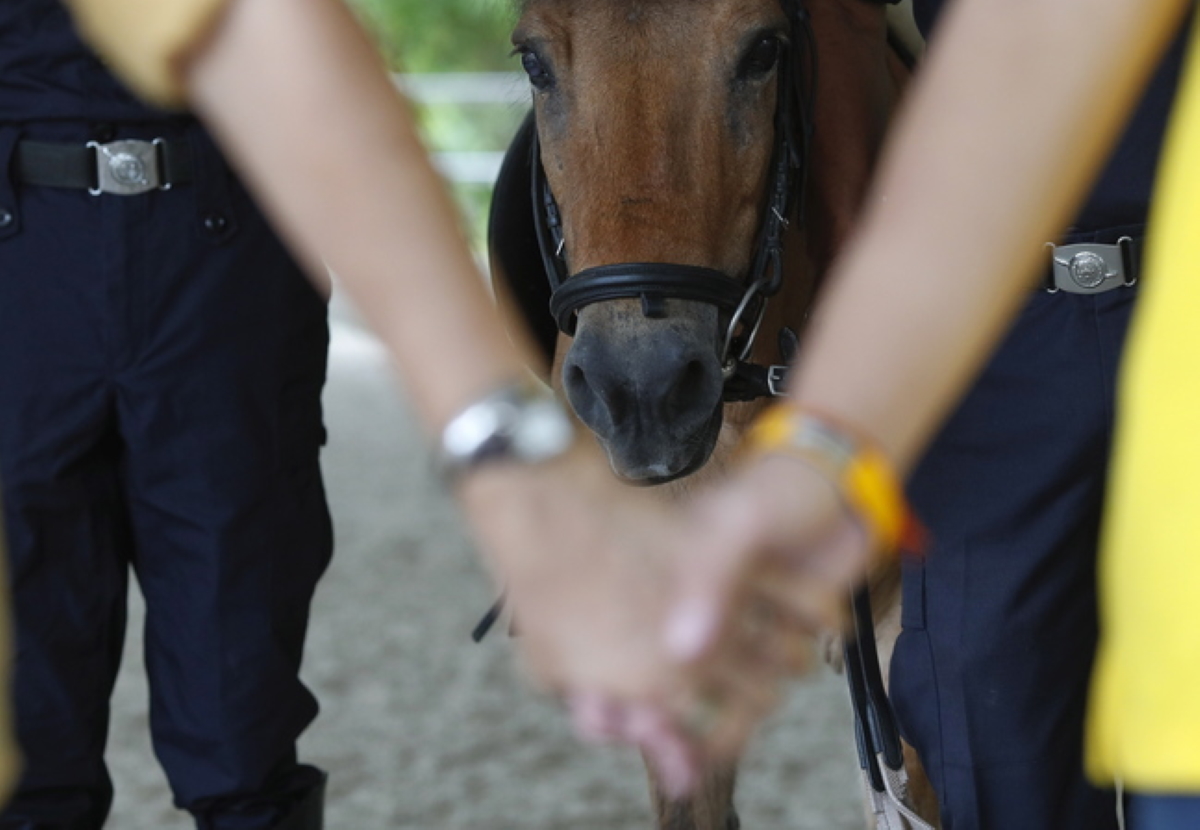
(690, 168)
(669, 139)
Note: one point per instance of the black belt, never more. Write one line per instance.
(126, 167)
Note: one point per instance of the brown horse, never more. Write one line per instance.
(690, 169)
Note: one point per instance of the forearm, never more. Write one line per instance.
(1010, 118)
(303, 106)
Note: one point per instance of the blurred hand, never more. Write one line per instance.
(581, 558)
(771, 557)
(592, 568)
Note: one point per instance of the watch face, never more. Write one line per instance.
(520, 422)
(469, 431)
(542, 432)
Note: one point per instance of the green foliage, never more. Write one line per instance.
(441, 35)
(471, 127)
(444, 36)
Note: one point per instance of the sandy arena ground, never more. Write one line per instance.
(422, 730)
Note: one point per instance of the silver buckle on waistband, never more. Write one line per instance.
(127, 168)
(1089, 268)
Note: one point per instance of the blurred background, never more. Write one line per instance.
(453, 60)
(421, 729)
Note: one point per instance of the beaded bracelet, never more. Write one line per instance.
(856, 466)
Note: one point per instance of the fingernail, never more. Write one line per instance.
(689, 631)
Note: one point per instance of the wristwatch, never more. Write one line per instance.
(521, 422)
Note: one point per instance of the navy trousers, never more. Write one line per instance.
(991, 671)
(1164, 812)
(161, 366)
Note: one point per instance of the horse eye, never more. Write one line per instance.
(762, 58)
(538, 74)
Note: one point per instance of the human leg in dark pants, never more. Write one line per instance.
(160, 385)
(990, 674)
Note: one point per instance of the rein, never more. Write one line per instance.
(743, 303)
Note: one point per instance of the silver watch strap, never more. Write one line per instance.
(522, 422)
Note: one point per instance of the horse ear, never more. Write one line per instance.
(519, 278)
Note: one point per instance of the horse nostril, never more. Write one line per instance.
(599, 405)
(691, 391)
(575, 381)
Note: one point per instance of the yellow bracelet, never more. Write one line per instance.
(856, 466)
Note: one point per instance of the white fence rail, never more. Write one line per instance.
(467, 89)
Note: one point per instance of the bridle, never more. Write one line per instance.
(743, 303)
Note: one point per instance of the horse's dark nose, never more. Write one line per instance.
(651, 400)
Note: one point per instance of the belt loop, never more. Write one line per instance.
(1129, 260)
(160, 158)
(1048, 283)
(216, 218)
(10, 214)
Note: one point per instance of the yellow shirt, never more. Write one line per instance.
(1144, 722)
(145, 41)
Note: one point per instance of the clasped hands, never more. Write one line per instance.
(674, 628)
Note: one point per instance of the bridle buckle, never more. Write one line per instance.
(776, 378)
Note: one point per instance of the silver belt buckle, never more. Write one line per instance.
(127, 168)
(1089, 268)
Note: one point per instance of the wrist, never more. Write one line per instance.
(522, 513)
(854, 465)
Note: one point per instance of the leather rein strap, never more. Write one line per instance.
(880, 750)
(742, 303)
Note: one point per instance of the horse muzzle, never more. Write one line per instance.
(650, 386)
